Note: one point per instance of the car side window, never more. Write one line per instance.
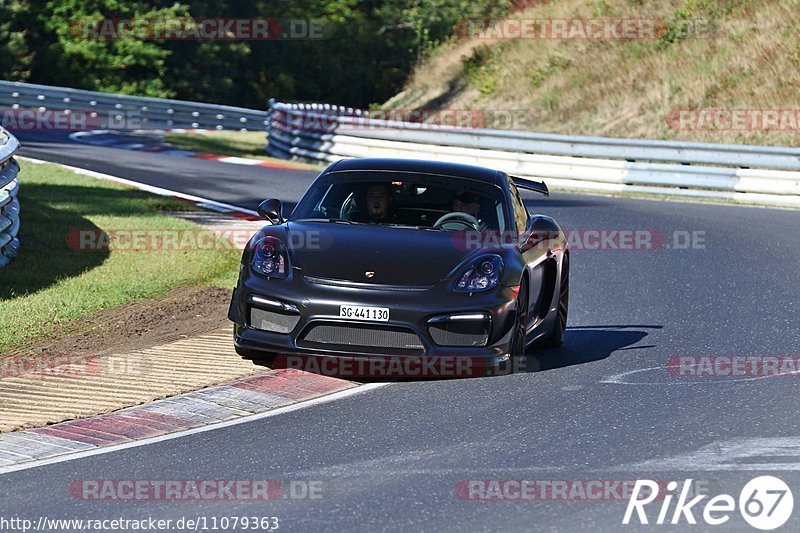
(520, 213)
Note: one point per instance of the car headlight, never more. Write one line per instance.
(481, 274)
(269, 257)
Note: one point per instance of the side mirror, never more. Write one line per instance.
(271, 210)
(540, 231)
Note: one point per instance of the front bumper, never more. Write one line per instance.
(303, 305)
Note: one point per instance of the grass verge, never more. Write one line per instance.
(53, 282)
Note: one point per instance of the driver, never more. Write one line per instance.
(380, 204)
(469, 203)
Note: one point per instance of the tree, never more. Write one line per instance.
(367, 51)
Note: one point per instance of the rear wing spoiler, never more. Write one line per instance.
(530, 185)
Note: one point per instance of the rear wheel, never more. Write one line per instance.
(556, 338)
(519, 337)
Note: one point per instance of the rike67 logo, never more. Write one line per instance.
(765, 503)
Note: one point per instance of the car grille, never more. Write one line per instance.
(361, 336)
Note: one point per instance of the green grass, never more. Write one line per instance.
(554, 64)
(480, 69)
(231, 143)
(52, 283)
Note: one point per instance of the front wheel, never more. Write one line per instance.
(556, 337)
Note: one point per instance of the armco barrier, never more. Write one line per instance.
(9, 204)
(750, 174)
(325, 133)
(116, 111)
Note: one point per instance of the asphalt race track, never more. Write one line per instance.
(603, 407)
(240, 185)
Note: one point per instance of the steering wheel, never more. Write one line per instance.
(349, 207)
(458, 220)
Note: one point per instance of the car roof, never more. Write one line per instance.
(419, 165)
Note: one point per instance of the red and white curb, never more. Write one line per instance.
(91, 137)
(238, 401)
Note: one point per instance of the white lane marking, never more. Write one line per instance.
(185, 433)
(148, 188)
(619, 379)
(239, 160)
(736, 454)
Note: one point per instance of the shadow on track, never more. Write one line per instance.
(586, 344)
(583, 344)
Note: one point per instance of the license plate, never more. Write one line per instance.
(360, 312)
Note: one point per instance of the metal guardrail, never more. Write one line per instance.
(751, 174)
(9, 204)
(325, 133)
(116, 111)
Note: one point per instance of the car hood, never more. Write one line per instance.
(396, 256)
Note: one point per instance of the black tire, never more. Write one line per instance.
(556, 337)
(518, 338)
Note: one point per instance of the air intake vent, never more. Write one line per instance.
(272, 321)
(460, 333)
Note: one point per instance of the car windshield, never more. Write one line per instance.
(405, 199)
